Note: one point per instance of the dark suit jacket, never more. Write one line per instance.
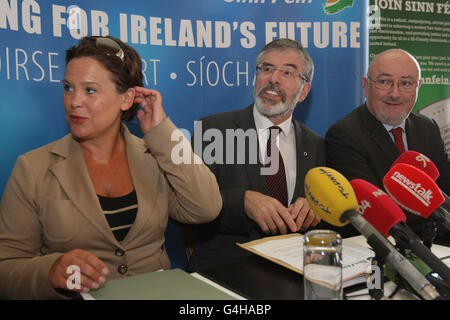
(216, 242)
(358, 146)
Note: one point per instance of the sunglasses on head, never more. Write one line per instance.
(110, 47)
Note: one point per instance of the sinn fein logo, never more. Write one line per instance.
(335, 6)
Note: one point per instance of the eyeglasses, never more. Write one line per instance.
(387, 84)
(284, 73)
(110, 47)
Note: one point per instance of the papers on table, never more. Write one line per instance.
(287, 250)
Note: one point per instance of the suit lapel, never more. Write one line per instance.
(379, 135)
(413, 136)
(245, 121)
(73, 176)
(304, 150)
(145, 175)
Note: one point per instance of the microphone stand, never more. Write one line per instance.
(441, 286)
(399, 280)
(429, 233)
(407, 239)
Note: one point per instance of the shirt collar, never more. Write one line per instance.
(401, 125)
(263, 123)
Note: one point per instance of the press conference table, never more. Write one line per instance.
(256, 278)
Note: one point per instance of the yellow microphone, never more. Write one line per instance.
(332, 198)
(329, 194)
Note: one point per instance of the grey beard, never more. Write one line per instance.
(278, 110)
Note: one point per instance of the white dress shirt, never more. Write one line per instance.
(401, 125)
(285, 142)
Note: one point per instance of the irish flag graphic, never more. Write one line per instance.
(335, 6)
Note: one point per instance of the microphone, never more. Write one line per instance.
(422, 162)
(441, 286)
(386, 216)
(416, 192)
(332, 198)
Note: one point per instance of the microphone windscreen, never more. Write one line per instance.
(413, 189)
(329, 194)
(377, 207)
(420, 161)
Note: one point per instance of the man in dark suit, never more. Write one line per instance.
(253, 206)
(361, 144)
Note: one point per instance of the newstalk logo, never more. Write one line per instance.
(335, 6)
(415, 189)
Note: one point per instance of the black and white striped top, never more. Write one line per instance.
(120, 213)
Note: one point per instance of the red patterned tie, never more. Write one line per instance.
(276, 183)
(398, 139)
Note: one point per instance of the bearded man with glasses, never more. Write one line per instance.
(258, 203)
(366, 142)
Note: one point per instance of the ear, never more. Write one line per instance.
(128, 99)
(365, 83)
(305, 91)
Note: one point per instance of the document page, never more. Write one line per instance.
(356, 254)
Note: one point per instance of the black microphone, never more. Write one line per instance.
(387, 217)
(332, 198)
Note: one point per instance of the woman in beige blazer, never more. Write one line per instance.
(53, 215)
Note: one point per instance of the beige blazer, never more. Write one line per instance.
(50, 207)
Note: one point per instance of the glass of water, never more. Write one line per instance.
(322, 265)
